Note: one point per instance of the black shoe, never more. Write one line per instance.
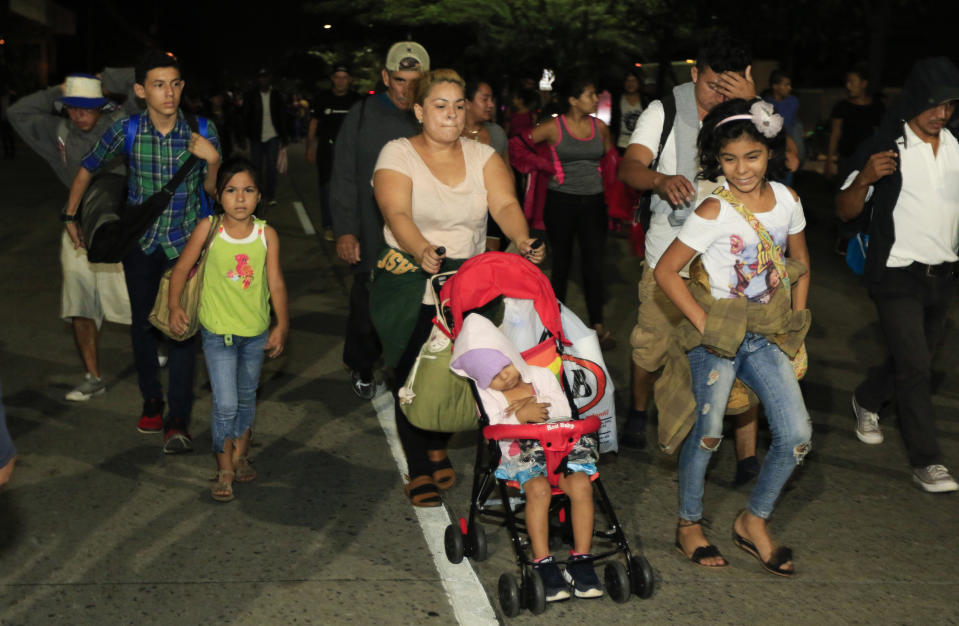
(553, 581)
(177, 442)
(581, 574)
(634, 431)
(365, 389)
(746, 470)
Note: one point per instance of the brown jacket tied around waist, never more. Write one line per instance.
(727, 321)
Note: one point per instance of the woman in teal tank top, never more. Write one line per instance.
(241, 275)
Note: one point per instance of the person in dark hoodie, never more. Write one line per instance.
(903, 191)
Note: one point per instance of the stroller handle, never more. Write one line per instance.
(557, 439)
(547, 433)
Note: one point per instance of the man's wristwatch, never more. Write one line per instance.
(65, 218)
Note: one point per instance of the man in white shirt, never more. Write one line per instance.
(721, 73)
(267, 129)
(908, 178)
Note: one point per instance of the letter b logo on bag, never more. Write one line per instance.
(588, 384)
(581, 388)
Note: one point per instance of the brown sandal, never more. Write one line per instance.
(422, 491)
(244, 472)
(444, 476)
(222, 491)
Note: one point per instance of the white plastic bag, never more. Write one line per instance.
(583, 364)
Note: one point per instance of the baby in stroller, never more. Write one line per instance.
(515, 392)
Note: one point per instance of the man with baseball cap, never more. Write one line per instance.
(357, 223)
(904, 184)
(91, 292)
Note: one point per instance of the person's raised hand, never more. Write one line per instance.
(348, 249)
(879, 164)
(675, 189)
(734, 85)
(203, 149)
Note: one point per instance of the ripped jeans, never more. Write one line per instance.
(767, 370)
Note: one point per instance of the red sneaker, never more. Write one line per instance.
(151, 419)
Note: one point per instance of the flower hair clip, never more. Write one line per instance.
(763, 116)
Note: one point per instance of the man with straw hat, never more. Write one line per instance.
(91, 292)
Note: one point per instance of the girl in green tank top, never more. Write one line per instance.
(242, 274)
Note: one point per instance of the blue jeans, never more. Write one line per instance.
(234, 364)
(767, 370)
(143, 273)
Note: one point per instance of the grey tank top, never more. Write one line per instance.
(580, 161)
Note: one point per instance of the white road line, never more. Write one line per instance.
(463, 589)
(305, 221)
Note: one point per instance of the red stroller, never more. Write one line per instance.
(478, 282)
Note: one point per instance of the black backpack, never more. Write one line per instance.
(644, 211)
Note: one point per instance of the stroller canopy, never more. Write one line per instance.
(493, 274)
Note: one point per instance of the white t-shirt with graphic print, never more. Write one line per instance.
(730, 247)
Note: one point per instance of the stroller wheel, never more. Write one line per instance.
(617, 581)
(508, 595)
(641, 577)
(453, 542)
(476, 539)
(535, 591)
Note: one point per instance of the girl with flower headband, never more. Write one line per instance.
(748, 322)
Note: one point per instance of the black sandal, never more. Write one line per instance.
(702, 552)
(774, 565)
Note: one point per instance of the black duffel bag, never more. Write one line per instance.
(109, 226)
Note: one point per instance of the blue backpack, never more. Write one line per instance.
(197, 124)
(856, 253)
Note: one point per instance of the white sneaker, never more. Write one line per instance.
(934, 478)
(90, 387)
(867, 424)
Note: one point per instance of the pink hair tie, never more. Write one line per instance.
(763, 116)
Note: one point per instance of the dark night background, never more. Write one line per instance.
(221, 43)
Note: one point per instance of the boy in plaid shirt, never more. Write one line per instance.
(162, 143)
